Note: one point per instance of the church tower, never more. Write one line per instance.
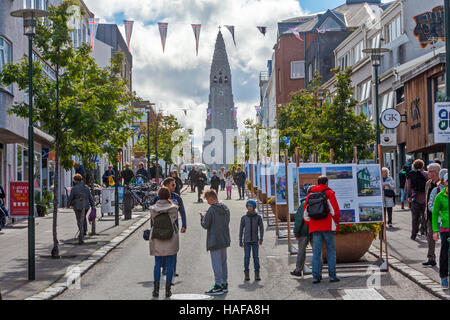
(221, 113)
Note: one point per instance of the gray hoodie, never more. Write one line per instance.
(217, 221)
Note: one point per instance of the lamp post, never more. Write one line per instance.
(375, 57)
(29, 17)
(447, 83)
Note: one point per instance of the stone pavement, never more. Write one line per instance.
(409, 254)
(14, 282)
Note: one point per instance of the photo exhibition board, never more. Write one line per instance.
(357, 187)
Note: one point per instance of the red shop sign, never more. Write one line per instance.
(18, 198)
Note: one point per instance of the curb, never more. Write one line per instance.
(61, 285)
(417, 277)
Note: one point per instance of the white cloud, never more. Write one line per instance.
(178, 79)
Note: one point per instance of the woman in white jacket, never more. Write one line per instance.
(389, 202)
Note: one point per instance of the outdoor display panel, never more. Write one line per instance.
(258, 175)
(254, 174)
(280, 185)
(293, 191)
(18, 198)
(263, 179)
(357, 187)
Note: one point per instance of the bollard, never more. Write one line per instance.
(127, 204)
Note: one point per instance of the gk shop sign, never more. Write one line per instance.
(18, 198)
(442, 122)
(391, 118)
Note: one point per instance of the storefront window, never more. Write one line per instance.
(439, 89)
(19, 161)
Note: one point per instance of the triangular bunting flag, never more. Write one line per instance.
(128, 31)
(234, 113)
(94, 27)
(163, 26)
(196, 28)
(208, 114)
(296, 33)
(231, 29)
(262, 30)
(323, 30)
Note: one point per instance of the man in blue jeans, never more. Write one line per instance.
(322, 225)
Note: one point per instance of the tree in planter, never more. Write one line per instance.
(53, 104)
(339, 128)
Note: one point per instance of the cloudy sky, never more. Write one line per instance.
(178, 79)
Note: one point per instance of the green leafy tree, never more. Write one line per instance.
(53, 100)
(339, 128)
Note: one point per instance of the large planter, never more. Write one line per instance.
(283, 211)
(350, 247)
(262, 197)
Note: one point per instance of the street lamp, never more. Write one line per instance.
(375, 56)
(29, 17)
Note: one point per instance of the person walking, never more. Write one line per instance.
(142, 172)
(200, 183)
(229, 184)
(433, 181)
(441, 210)
(417, 179)
(389, 194)
(164, 239)
(127, 174)
(301, 232)
(215, 182)
(81, 200)
(151, 171)
(216, 221)
(222, 178)
(108, 177)
(251, 234)
(192, 176)
(402, 177)
(321, 214)
(239, 179)
(176, 199)
(178, 182)
(80, 170)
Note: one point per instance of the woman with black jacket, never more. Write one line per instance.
(177, 181)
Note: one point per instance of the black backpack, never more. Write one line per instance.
(162, 227)
(317, 205)
(418, 181)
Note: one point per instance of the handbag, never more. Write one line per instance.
(389, 193)
(146, 234)
(92, 215)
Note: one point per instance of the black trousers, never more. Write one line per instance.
(418, 218)
(200, 192)
(443, 257)
(389, 214)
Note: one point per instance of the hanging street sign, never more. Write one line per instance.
(391, 118)
(442, 122)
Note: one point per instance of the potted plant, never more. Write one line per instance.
(353, 241)
(43, 203)
(282, 210)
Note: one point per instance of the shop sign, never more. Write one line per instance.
(391, 118)
(442, 122)
(388, 139)
(18, 198)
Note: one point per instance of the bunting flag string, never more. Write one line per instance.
(208, 114)
(262, 30)
(196, 28)
(128, 31)
(323, 30)
(231, 29)
(163, 27)
(296, 33)
(185, 111)
(93, 22)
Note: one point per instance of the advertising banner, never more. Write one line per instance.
(254, 174)
(18, 198)
(442, 122)
(263, 179)
(258, 175)
(280, 185)
(357, 187)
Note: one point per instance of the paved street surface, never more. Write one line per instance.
(14, 282)
(127, 272)
(410, 252)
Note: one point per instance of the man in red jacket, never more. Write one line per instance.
(323, 230)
